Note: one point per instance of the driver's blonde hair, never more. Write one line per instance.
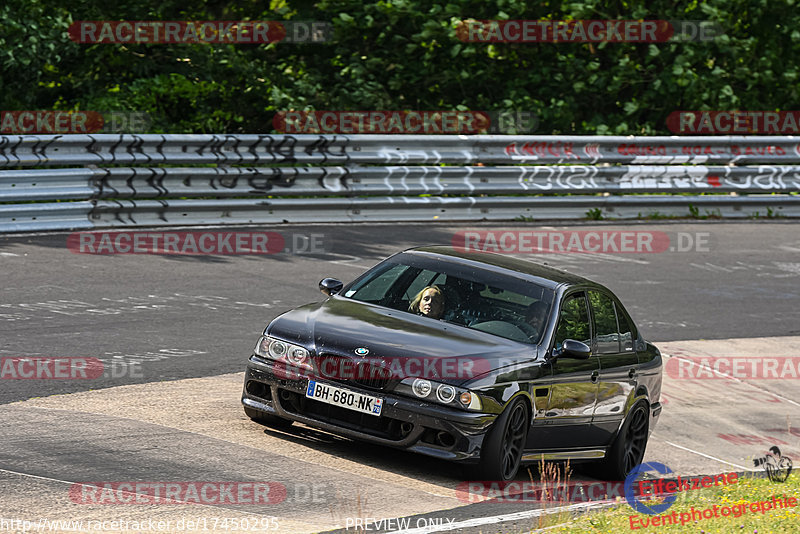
(414, 306)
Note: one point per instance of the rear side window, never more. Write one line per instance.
(605, 322)
(625, 332)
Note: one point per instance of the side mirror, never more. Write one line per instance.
(574, 349)
(330, 286)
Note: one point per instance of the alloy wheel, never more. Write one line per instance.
(514, 440)
(635, 439)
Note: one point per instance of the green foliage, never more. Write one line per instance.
(402, 54)
(574, 322)
(748, 489)
(605, 318)
(594, 214)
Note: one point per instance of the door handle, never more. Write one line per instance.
(595, 375)
(632, 374)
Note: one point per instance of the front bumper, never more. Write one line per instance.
(414, 425)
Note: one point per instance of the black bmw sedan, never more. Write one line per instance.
(478, 358)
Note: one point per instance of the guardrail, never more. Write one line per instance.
(143, 180)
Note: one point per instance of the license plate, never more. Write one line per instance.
(344, 398)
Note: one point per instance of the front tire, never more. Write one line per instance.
(501, 453)
(628, 449)
(267, 419)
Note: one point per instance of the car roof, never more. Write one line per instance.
(541, 274)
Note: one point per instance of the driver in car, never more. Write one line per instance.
(535, 316)
(428, 302)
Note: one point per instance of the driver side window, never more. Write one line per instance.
(573, 321)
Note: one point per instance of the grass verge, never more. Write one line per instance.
(737, 497)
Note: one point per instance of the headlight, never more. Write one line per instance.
(439, 393)
(298, 355)
(445, 393)
(281, 351)
(421, 387)
(262, 347)
(277, 349)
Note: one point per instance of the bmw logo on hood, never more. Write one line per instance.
(362, 351)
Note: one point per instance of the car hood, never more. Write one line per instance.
(339, 326)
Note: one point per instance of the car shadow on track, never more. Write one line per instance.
(388, 459)
(443, 473)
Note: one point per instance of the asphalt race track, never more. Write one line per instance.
(173, 333)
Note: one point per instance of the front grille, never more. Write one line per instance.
(382, 427)
(372, 376)
(329, 366)
(369, 374)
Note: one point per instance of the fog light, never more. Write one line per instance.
(421, 387)
(446, 393)
(257, 389)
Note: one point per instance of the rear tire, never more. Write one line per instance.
(501, 453)
(267, 419)
(628, 449)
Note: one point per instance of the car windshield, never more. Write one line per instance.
(480, 299)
